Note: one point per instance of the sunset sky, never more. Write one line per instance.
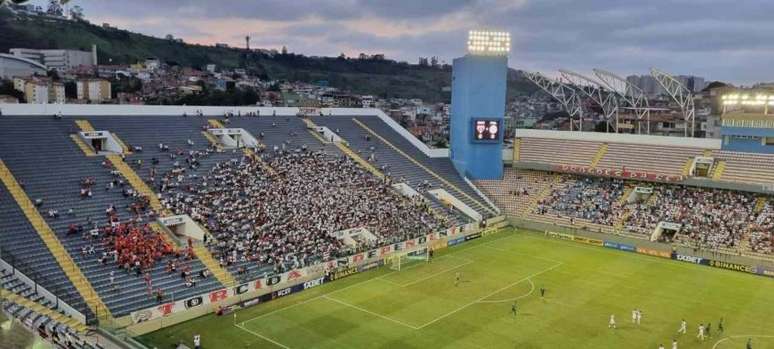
(717, 39)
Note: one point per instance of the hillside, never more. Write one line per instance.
(383, 78)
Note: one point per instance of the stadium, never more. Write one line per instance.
(261, 227)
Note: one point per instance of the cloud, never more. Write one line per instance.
(719, 39)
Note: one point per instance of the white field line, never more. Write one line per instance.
(436, 274)
(531, 289)
(358, 284)
(313, 298)
(371, 312)
(262, 336)
(488, 295)
(741, 336)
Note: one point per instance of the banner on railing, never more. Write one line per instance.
(652, 252)
(622, 173)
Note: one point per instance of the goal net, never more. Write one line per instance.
(403, 259)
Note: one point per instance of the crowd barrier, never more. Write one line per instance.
(755, 269)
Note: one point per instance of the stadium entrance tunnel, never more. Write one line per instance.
(232, 138)
(102, 142)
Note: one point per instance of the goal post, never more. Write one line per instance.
(402, 259)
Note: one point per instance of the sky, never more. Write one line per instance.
(727, 40)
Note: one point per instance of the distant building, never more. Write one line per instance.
(367, 101)
(152, 63)
(6, 99)
(58, 59)
(40, 90)
(12, 66)
(651, 87)
(93, 90)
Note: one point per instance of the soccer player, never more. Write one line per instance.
(720, 325)
(513, 308)
(430, 255)
(457, 277)
(749, 343)
(661, 346)
(700, 336)
(683, 327)
(709, 329)
(542, 291)
(674, 343)
(639, 316)
(611, 324)
(634, 316)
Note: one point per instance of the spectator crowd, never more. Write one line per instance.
(282, 209)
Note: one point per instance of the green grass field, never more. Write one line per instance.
(420, 307)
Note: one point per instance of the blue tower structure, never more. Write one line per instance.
(478, 106)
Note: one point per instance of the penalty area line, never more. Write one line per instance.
(489, 295)
(243, 328)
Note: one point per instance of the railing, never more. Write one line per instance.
(53, 290)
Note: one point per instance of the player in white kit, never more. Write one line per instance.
(700, 336)
(683, 327)
(611, 324)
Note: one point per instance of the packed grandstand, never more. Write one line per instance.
(87, 227)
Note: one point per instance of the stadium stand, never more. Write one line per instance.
(518, 191)
(92, 203)
(649, 158)
(590, 199)
(746, 167)
(558, 152)
(30, 142)
(324, 193)
(372, 138)
(20, 242)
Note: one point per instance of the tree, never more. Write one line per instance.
(76, 12)
(54, 8)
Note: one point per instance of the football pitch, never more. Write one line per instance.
(421, 307)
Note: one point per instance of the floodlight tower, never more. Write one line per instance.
(478, 105)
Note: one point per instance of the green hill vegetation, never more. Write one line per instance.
(383, 78)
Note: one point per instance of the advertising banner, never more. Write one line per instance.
(690, 259)
(732, 266)
(472, 236)
(456, 241)
(336, 269)
(588, 241)
(652, 252)
(562, 236)
(611, 244)
(622, 173)
(761, 270)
